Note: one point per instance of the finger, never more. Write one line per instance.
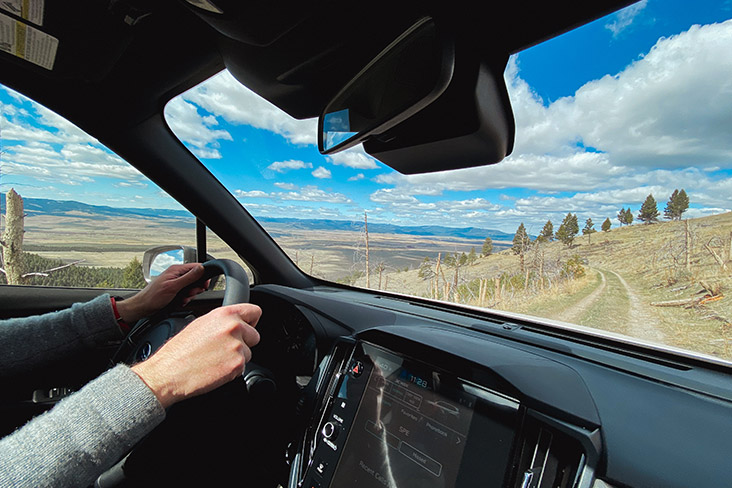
(250, 336)
(247, 353)
(248, 312)
(177, 270)
(189, 276)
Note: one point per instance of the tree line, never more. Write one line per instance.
(569, 229)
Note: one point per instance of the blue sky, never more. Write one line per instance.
(639, 102)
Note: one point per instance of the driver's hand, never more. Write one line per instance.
(211, 351)
(161, 292)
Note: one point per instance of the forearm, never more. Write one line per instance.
(33, 341)
(83, 435)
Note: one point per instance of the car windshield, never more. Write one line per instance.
(612, 212)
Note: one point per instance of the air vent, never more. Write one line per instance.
(548, 458)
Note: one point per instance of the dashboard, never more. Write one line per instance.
(394, 419)
(407, 394)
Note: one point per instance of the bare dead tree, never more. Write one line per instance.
(12, 238)
(366, 229)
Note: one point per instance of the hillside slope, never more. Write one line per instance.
(637, 281)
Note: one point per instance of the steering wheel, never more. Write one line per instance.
(151, 333)
(148, 336)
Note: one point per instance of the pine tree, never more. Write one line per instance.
(648, 212)
(588, 229)
(520, 240)
(473, 256)
(132, 275)
(682, 205)
(547, 232)
(487, 249)
(568, 230)
(628, 216)
(669, 212)
(606, 225)
(677, 204)
(622, 218)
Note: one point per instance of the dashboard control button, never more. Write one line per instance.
(320, 467)
(356, 369)
(330, 430)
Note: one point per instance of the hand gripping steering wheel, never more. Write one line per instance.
(149, 334)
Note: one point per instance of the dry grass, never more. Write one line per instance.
(641, 265)
(635, 266)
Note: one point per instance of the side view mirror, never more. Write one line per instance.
(158, 259)
(403, 79)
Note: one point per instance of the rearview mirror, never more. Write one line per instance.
(403, 79)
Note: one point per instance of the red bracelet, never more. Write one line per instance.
(122, 324)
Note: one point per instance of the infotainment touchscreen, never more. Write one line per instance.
(418, 427)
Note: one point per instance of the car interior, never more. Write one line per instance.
(348, 386)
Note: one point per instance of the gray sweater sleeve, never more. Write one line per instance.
(90, 430)
(83, 435)
(34, 341)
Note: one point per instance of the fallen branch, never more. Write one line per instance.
(710, 299)
(716, 257)
(678, 303)
(689, 302)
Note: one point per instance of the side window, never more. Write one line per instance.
(73, 213)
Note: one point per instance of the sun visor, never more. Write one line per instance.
(470, 124)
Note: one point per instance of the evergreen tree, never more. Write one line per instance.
(425, 269)
(132, 275)
(628, 216)
(606, 225)
(547, 232)
(588, 230)
(682, 205)
(472, 256)
(487, 249)
(677, 204)
(568, 230)
(520, 240)
(648, 212)
(622, 218)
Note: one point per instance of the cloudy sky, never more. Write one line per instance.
(633, 104)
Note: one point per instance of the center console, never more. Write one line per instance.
(393, 421)
(390, 409)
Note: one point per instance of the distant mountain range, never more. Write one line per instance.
(42, 206)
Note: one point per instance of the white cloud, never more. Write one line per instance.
(251, 194)
(308, 193)
(354, 157)
(578, 171)
(223, 96)
(670, 108)
(625, 17)
(282, 166)
(321, 173)
(195, 129)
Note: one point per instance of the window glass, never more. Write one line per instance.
(87, 216)
(612, 212)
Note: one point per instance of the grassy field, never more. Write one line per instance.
(628, 271)
(637, 283)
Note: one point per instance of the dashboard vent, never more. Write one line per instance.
(548, 458)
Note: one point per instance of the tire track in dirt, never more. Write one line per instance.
(641, 321)
(575, 312)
